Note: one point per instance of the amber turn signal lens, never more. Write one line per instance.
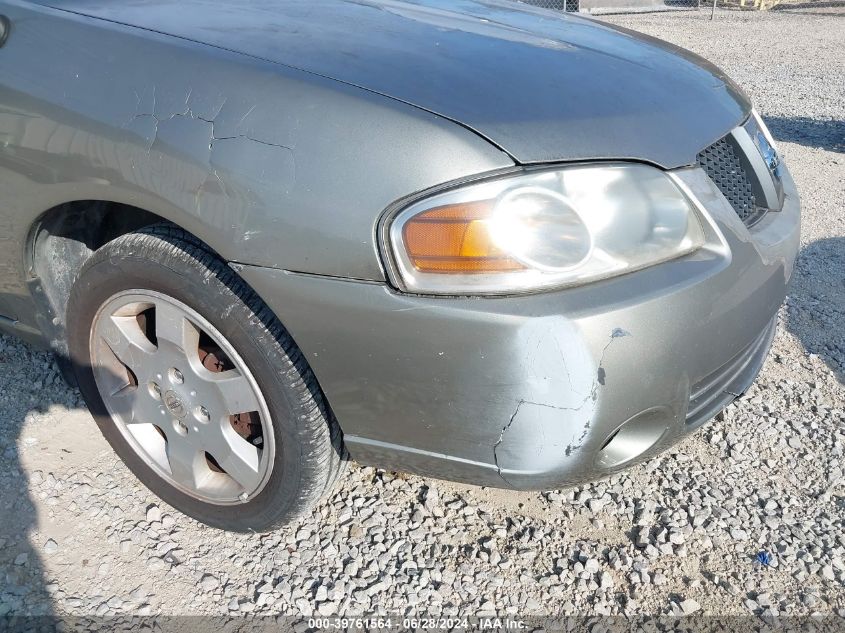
(455, 239)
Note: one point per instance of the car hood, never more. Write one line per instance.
(543, 86)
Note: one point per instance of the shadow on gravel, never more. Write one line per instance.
(827, 134)
(22, 580)
(801, 7)
(30, 384)
(816, 302)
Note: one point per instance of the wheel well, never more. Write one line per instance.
(60, 242)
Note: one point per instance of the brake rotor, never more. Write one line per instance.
(247, 425)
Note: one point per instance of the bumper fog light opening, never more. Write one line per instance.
(634, 437)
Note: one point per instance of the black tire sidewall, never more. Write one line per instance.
(270, 365)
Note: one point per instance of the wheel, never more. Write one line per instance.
(196, 384)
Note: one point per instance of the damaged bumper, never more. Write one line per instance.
(550, 389)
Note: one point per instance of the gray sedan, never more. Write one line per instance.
(473, 240)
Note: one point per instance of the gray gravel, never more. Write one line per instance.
(684, 533)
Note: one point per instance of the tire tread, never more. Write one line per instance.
(323, 456)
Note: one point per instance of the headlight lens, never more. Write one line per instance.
(542, 229)
(761, 125)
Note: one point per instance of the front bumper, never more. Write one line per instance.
(532, 392)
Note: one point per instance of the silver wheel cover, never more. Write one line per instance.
(205, 431)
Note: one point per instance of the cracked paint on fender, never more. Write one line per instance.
(230, 184)
(258, 158)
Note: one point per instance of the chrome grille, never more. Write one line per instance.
(723, 165)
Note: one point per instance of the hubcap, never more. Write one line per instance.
(182, 397)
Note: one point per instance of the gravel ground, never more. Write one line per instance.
(679, 534)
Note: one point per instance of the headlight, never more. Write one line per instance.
(761, 125)
(542, 229)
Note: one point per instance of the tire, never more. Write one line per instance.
(170, 265)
